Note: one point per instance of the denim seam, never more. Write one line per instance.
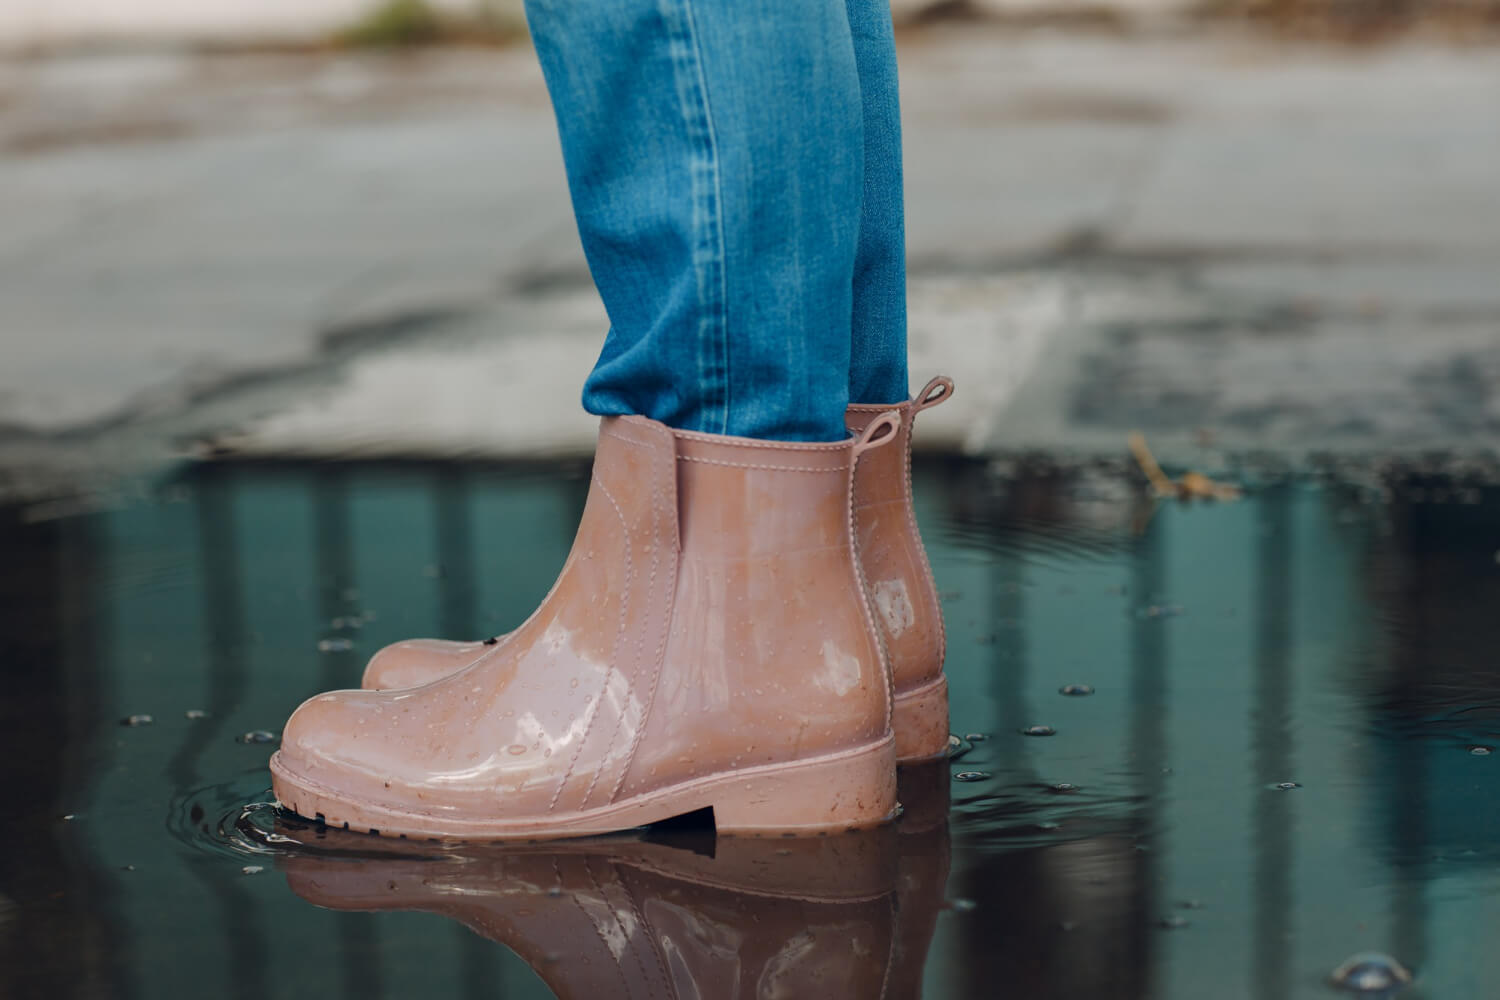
(709, 255)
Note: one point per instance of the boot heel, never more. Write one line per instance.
(844, 791)
(920, 719)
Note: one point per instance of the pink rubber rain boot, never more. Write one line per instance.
(708, 644)
(895, 565)
(900, 583)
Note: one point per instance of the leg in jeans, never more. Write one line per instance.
(715, 155)
(877, 369)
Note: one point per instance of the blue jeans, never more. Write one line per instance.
(735, 169)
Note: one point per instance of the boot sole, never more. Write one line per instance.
(849, 790)
(920, 719)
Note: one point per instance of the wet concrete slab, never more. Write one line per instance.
(249, 248)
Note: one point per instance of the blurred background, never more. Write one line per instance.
(293, 322)
(337, 227)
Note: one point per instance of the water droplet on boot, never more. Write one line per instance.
(515, 749)
(1039, 731)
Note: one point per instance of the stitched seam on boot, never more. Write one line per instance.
(666, 628)
(882, 650)
(768, 468)
(916, 537)
(640, 649)
(758, 444)
(610, 671)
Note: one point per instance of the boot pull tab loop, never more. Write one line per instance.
(882, 430)
(935, 392)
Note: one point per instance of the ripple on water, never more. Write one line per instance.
(241, 819)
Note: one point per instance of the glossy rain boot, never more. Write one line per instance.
(640, 920)
(899, 580)
(895, 565)
(708, 645)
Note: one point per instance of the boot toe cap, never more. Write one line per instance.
(415, 662)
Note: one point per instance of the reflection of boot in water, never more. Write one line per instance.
(633, 918)
(922, 872)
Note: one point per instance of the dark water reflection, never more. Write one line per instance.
(1281, 763)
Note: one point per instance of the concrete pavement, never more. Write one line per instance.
(1285, 247)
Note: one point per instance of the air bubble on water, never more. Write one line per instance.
(1076, 690)
(133, 721)
(1370, 972)
(196, 713)
(1173, 922)
(975, 737)
(1190, 904)
(1064, 787)
(1479, 750)
(70, 816)
(1286, 786)
(256, 736)
(339, 645)
(252, 870)
(962, 905)
(1039, 731)
(971, 776)
(1048, 825)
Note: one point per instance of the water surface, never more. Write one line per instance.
(1272, 756)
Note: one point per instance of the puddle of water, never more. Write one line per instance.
(1267, 723)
